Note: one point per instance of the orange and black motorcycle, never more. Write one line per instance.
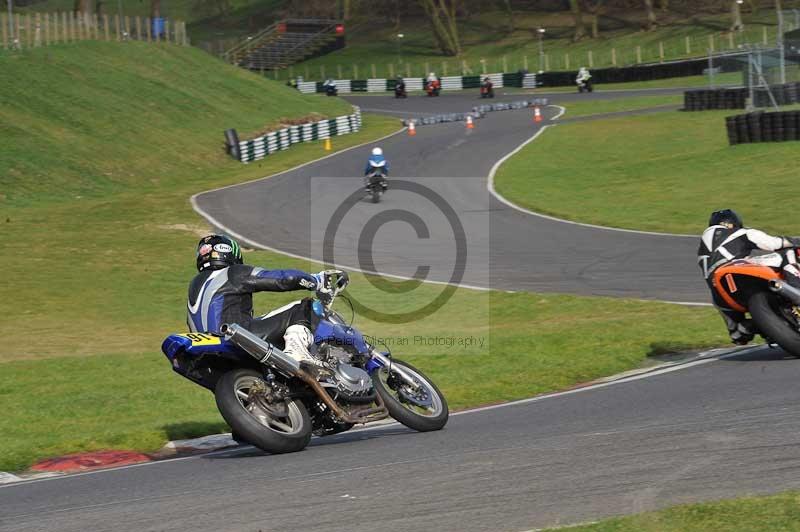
(756, 285)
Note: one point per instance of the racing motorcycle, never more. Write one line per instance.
(432, 88)
(487, 89)
(756, 285)
(400, 90)
(376, 184)
(275, 403)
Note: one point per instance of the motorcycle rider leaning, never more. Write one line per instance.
(222, 292)
(376, 163)
(725, 240)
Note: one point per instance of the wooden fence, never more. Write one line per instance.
(653, 52)
(33, 30)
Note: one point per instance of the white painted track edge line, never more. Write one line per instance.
(668, 368)
(493, 191)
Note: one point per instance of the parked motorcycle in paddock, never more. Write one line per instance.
(756, 285)
(376, 184)
(273, 402)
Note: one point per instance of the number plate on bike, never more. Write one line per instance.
(202, 339)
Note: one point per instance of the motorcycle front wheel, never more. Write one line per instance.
(273, 427)
(376, 195)
(772, 316)
(421, 407)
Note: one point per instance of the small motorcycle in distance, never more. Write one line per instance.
(376, 184)
(400, 90)
(275, 403)
(585, 86)
(330, 88)
(433, 87)
(487, 88)
(756, 285)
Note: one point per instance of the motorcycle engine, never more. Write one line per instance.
(346, 382)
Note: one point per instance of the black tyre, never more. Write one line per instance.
(278, 428)
(423, 409)
(376, 195)
(768, 310)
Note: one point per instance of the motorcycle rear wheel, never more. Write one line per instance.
(285, 429)
(376, 195)
(765, 308)
(396, 394)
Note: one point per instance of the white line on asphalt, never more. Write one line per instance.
(669, 368)
(490, 187)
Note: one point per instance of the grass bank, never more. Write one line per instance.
(487, 42)
(671, 168)
(776, 512)
(95, 209)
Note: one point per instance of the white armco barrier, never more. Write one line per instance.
(343, 86)
(496, 79)
(376, 85)
(413, 84)
(307, 87)
(452, 83)
(529, 81)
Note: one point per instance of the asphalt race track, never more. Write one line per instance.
(507, 249)
(714, 430)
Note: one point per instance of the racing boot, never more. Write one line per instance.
(298, 338)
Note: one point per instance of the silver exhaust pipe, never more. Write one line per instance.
(783, 289)
(261, 350)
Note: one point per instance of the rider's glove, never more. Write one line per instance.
(743, 333)
(319, 279)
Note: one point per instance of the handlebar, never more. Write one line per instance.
(333, 283)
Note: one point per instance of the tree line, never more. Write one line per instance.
(444, 15)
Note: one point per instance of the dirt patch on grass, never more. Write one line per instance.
(286, 122)
(196, 229)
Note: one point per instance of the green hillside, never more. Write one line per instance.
(101, 117)
(486, 40)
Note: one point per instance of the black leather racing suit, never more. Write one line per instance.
(226, 296)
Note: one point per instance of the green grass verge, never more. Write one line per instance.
(596, 107)
(671, 168)
(775, 513)
(95, 210)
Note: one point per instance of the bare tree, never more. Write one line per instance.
(577, 15)
(651, 15)
(82, 6)
(442, 15)
(596, 9)
(736, 16)
(510, 12)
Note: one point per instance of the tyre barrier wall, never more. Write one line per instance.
(763, 127)
(708, 99)
(701, 100)
(785, 94)
(252, 150)
(479, 111)
(347, 86)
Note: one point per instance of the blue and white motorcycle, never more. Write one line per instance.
(271, 401)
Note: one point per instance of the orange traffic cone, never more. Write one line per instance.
(412, 129)
(537, 115)
(470, 125)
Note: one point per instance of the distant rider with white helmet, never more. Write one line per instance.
(376, 165)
